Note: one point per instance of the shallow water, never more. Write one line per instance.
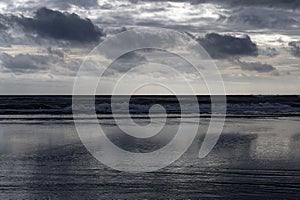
(254, 158)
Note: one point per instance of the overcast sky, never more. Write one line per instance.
(255, 44)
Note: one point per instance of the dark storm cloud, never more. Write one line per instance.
(223, 46)
(256, 66)
(295, 48)
(23, 63)
(63, 26)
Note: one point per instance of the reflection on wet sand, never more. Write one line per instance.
(254, 158)
(270, 147)
(276, 146)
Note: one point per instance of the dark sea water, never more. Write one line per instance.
(256, 157)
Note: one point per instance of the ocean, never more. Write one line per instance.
(256, 157)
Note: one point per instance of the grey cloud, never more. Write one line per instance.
(24, 63)
(256, 66)
(290, 4)
(64, 4)
(2, 26)
(126, 62)
(263, 18)
(223, 46)
(4, 36)
(55, 52)
(295, 48)
(27, 63)
(114, 30)
(63, 26)
(270, 52)
(276, 73)
(155, 57)
(29, 5)
(4, 22)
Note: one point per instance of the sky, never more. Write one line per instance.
(255, 44)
